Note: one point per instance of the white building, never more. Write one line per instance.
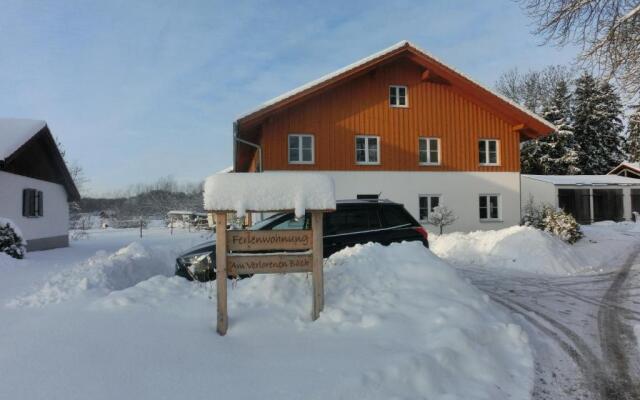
(35, 185)
(589, 198)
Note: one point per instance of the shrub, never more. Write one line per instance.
(563, 225)
(11, 241)
(553, 220)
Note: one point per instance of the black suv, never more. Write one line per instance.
(353, 222)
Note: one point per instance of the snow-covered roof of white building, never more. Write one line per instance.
(585, 179)
(15, 132)
(379, 54)
(269, 191)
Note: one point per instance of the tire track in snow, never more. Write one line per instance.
(594, 376)
(615, 349)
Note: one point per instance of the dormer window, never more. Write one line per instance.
(398, 96)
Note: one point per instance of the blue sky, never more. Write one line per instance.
(138, 90)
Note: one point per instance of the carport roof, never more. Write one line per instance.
(580, 180)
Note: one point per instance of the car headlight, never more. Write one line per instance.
(196, 263)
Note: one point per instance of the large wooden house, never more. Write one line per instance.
(401, 125)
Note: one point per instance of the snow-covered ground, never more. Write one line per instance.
(104, 319)
(605, 246)
(579, 304)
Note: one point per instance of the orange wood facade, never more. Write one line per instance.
(361, 107)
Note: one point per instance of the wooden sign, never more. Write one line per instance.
(268, 240)
(268, 264)
(233, 264)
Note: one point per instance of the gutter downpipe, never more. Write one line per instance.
(248, 143)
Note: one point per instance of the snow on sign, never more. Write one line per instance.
(269, 191)
(241, 252)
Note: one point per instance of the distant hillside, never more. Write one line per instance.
(149, 203)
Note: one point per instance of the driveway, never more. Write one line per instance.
(580, 327)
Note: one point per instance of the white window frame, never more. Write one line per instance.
(313, 148)
(429, 196)
(486, 149)
(428, 139)
(488, 197)
(366, 148)
(406, 96)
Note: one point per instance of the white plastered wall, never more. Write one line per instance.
(54, 222)
(458, 190)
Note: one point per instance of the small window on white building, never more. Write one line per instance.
(398, 96)
(427, 202)
(367, 150)
(429, 151)
(489, 207)
(489, 151)
(301, 149)
(32, 203)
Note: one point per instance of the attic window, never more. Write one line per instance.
(398, 96)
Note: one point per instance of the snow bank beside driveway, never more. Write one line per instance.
(398, 323)
(101, 274)
(526, 249)
(517, 247)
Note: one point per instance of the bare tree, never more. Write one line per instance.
(607, 30)
(441, 216)
(533, 89)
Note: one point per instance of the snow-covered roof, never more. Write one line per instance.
(15, 132)
(269, 191)
(185, 212)
(381, 54)
(585, 179)
(631, 165)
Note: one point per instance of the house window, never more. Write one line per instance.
(32, 203)
(301, 149)
(427, 203)
(489, 207)
(429, 149)
(367, 150)
(398, 96)
(489, 154)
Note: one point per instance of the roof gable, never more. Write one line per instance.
(27, 148)
(528, 123)
(16, 132)
(632, 166)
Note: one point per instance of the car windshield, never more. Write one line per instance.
(261, 224)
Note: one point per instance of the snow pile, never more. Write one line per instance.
(398, 323)
(517, 248)
(101, 274)
(269, 191)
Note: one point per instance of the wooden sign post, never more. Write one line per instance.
(221, 271)
(242, 252)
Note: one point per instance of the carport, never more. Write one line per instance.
(589, 198)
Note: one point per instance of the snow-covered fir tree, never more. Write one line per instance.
(597, 125)
(632, 144)
(560, 151)
(531, 153)
(611, 126)
(557, 153)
